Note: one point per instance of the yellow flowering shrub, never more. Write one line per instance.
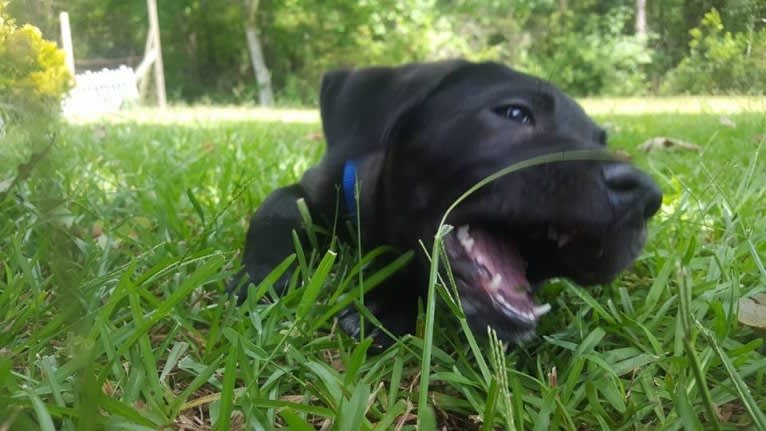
(33, 74)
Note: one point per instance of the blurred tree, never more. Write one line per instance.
(262, 74)
(641, 18)
(588, 46)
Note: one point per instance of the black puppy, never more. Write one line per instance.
(415, 138)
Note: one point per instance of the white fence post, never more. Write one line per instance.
(159, 71)
(66, 41)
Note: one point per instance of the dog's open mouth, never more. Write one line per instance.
(490, 268)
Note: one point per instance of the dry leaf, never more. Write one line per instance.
(314, 136)
(97, 229)
(726, 121)
(623, 155)
(752, 311)
(665, 143)
(553, 378)
(99, 132)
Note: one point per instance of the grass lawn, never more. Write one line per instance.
(116, 245)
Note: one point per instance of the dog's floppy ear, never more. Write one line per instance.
(359, 107)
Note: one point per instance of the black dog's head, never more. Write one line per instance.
(443, 127)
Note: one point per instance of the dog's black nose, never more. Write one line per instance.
(632, 190)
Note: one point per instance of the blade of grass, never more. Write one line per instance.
(294, 421)
(115, 407)
(488, 416)
(396, 378)
(181, 401)
(685, 295)
(351, 412)
(146, 354)
(313, 289)
(226, 406)
(743, 392)
(425, 413)
(44, 419)
(191, 283)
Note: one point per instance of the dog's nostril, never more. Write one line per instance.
(632, 189)
(621, 177)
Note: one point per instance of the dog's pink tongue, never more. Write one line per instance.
(505, 268)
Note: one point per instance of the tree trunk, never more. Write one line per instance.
(262, 75)
(641, 18)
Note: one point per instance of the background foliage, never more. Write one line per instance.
(720, 61)
(588, 47)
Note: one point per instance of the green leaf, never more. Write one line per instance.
(44, 419)
(313, 289)
(226, 405)
(351, 412)
(197, 207)
(294, 421)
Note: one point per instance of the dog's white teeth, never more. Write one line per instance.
(564, 239)
(553, 235)
(464, 236)
(510, 309)
(496, 282)
(464, 232)
(541, 310)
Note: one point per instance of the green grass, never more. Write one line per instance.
(116, 249)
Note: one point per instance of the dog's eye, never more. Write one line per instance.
(519, 114)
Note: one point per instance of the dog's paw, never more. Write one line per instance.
(351, 322)
(237, 286)
(396, 323)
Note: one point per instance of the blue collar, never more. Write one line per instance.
(348, 188)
